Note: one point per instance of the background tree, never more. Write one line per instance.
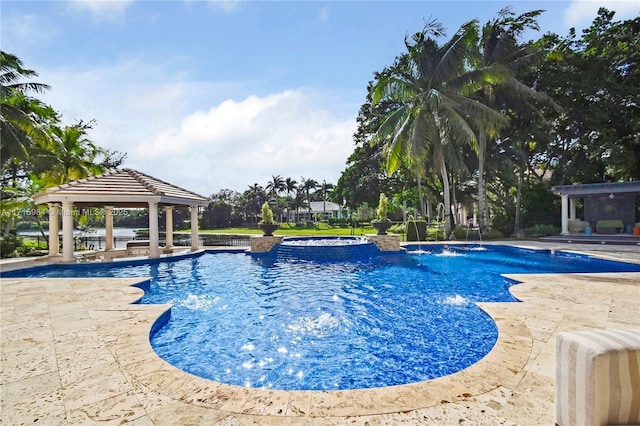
(276, 186)
(255, 196)
(307, 186)
(597, 82)
(502, 56)
(433, 117)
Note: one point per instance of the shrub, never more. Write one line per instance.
(9, 244)
(492, 234)
(541, 231)
(267, 214)
(398, 228)
(460, 233)
(383, 208)
(416, 230)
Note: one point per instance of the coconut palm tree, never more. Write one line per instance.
(274, 188)
(502, 56)
(432, 113)
(307, 185)
(255, 196)
(24, 119)
(71, 155)
(290, 186)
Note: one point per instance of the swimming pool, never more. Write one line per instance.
(262, 322)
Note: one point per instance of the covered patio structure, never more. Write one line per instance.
(117, 189)
(611, 202)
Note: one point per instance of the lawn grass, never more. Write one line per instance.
(285, 229)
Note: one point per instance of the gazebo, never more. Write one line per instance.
(612, 201)
(118, 188)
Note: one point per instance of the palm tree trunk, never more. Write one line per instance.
(482, 147)
(454, 203)
(421, 196)
(447, 198)
(518, 200)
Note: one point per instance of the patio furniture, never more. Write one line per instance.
(138, 248)
(609, 226)
(598, 377)
(577, 226)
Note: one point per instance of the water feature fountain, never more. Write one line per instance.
(469, 226)
(326, 248)
(411, 218)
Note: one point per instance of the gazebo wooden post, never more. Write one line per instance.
(154, 251)
(108, 224)
(67, 231)
(168, 211)
(194, 228)
(53, 230)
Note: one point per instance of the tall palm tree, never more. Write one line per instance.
(503, 56)
(71, 154)
(298, 201)
(432, 113)
(274, 188)
(307, 185)
(290, 186)
(23, 119)
(255, 197)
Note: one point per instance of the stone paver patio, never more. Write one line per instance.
(77, 351)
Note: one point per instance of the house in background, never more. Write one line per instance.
(611, 203)
(317, 209)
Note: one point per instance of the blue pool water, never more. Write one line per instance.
(283, 323)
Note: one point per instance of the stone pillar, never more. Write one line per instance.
(154, 251)
(565, 215)
(194, 228)
(264, 244)
(53, 230)
(390, 242)
(67, 231)
(572, 208)
(168, 212)
(108, 224)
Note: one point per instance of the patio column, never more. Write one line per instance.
(565, 214)
(108, 224)
(168, 211)
(53, 230)
(67, 231)
(194, 227)
(572, 208)
(154, 251)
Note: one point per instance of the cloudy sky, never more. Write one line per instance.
(213, 95)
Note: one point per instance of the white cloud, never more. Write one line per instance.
(236, 144)
(580, 13)
(101, 10)
(203, 136)
(228, 6)
(28, 29)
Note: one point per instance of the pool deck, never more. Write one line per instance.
(77, 351)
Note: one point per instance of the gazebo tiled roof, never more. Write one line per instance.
(122, 188)
(118, 188)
